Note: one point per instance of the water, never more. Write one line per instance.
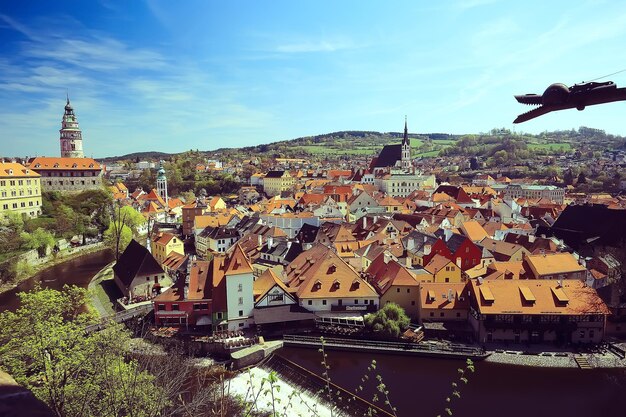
(77, 271)
(419, 386)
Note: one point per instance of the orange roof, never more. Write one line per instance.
(266, 282)
(13, 169)
(443, 296)
(237, 262)
(57, 163)
(499, 270)
(386, 275)
(320, 273)
(516, 297)
(473, 230)
(437, 263)
(163, 238)
(554, 263)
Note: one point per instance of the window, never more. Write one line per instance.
(356, 302)
(219, 316)
(408, 290)
(447, 279)
(441, 314)
(323, 302)
(161, 307)
(240, 300)
(240, 287)
(174, 307)
(310, 302)
(3, 183)
(398, 290)
(413, 302)
(432, 314)
(276, 297)
(5, 207)
(447, 268)
(458, 314)
(240, 324)
(240, 313)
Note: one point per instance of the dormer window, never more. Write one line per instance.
(317, 285)
(37, 165)
(74, 165)
(336, 284)
(332, 269)
(56, 165)
(90, 165)
(10, 172)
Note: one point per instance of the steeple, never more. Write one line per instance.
(70, 134)
(406, 148)
(161, 183)
(405, 140)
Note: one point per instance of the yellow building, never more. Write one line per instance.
(163, 244)
(276, 182)
(443, 269)
(20, 190)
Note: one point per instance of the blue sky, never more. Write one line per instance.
(172, 76)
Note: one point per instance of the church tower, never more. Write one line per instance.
(161, 183)
(406, 148)
(71, 137)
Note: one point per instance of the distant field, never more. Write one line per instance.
(320, 149)
(550, 146)
(426, 154)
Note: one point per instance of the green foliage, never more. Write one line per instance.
(390, 321)
(124, 225)
(11, 229)
(39, 239)
(43, 345)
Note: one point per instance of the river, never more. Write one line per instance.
(419, 386)
(78, 271)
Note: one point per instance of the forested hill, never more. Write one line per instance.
(365, 143)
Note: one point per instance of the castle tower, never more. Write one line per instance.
(161, 183)
(70, 135)
(406, 148)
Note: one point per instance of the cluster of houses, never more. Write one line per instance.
(465, 261)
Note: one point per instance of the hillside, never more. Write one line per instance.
(367, 143)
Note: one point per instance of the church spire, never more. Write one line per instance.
(70, 135)
(406, 148)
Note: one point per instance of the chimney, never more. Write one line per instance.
(364, 222)
(270, 242)
(288, 244)
(410, 244)
(427, 249)
(458, 261)
(408, 263)
(260, 240)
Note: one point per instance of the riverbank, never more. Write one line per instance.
(62, 256)
(98, 286)
(555, 359)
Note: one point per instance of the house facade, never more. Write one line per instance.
(20, 190)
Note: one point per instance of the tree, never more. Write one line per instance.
(11, 229)
(581, 178)
(44, 346)
(123, 227)
(568, 177)
(389, 321)
(39, 239)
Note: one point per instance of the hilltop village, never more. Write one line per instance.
(287, 245)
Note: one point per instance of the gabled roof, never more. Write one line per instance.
(473, 230)
(455, 192)
(554, 263)
(320, 273)
(174, 261)
(135, 260)
(237, 262)
(385, 275)
(437, 263)
(163, 238)
(266, 282)
(388, 156)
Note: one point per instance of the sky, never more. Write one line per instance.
(172, 76)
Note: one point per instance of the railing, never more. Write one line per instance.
(450, 349)
(120, 317)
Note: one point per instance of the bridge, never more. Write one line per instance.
(448, 350)
(120, 317)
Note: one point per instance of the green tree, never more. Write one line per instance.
(39, 239)
(124, 225)
(11, 229)
(44, 346)
(389, 321)
(581, 178)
